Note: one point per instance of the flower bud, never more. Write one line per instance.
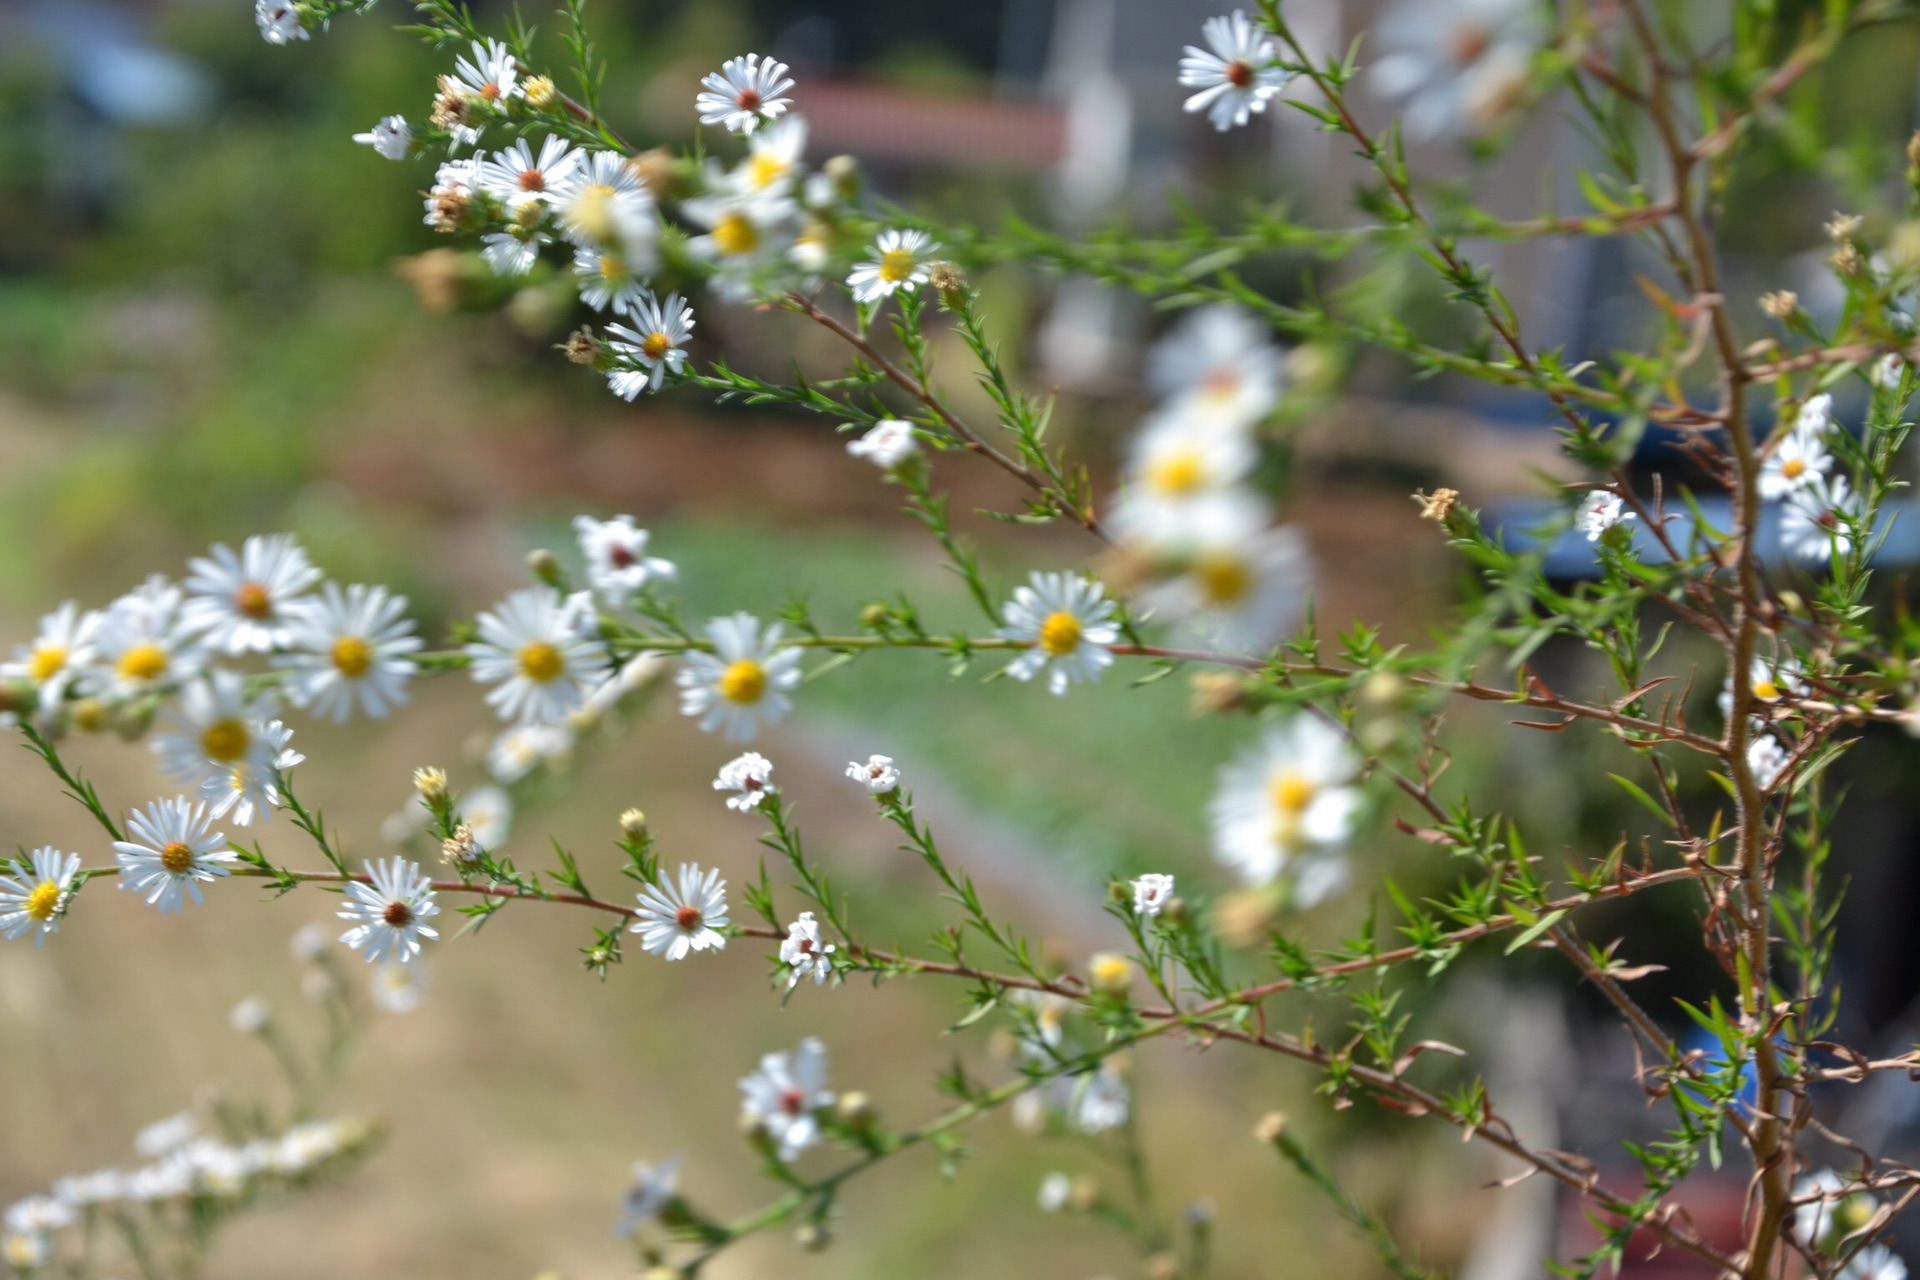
(814, 1237)
(250, 1016)
(1215, 692)
(633, 824)
(950, 282)
(1270, 1127)
(1177, 912)
(656, 169)
(545, 566)
(844, 173)
(431, 783)
(875, 616)
(1843, 227)
(1110, 973)
(855, 1110)
(459, 850)
(1781, 304)
(539, 92)
(581, 346)
(1085, 1194)
(90, 715)
(17, 697)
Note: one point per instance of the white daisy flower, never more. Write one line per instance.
(654, 1187)
(388, 912)
(743, 236)
(1238, 594)
(349, 649)
(532, 649)
(1056, 1189)
(1766, 760)
(605, 278)
(488, 815)
(164, 1137)
(898, 261)
(1151, 893)
(604, 204)
(1813, 1219)
(512, 252)
(279, 21)
(1801, 458)
(525, 747)
(1068, 623)
(215, 728)
(749, 777)
(1289, 805)
(1817, 517)
(803, 952)
(38, 893)
(241, 602)
(656, 343)
(251, 1016)
(744, 94)
(251, 787)
(26, 1251)
(773, 159)
(887, 444)
(491, 74)
(143, 644)
(1218, 366)
(1598, 512)
(617, 561)
(98, 1187)
(743, 681)
(1768, 681)
(1100, 1101)
(784, 1095)
(453, 188)
(400, 987)
(39, 1213)
(62, 651)
(877, 775)
(1237, 76)
(1181, 455)
(392, 137)
(1875, 1262)
(172, 851)
(1458, 66)
(675, 919)
(1887, 372)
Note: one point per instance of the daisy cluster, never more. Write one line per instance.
(1819, 513)
(1090, 1101)
(1827, 1213)
(184, 1166)
(1198, 542)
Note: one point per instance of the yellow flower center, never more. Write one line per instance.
(1060, 633)
(177, 858)
(540, 662)
(744, 681)
(613, 267)
(765, 169)
(43, 901)
(225, 740)
(143, 661)
(1177, 474)
(1224, 579)
(656, 345)
(1292, 794)
(1766, 690)
(46, 662)
(253, 600)
(735, 235)
(592, 212)
(896, 265)
(352, 656)
(1793, 468)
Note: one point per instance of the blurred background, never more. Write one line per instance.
(218, 317)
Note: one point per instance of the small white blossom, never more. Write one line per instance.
(349, 649)
(1599, 511)
(617, 561)
(1099, 1101)
(251, 786)
(1458, 66)
(676, 918)
(1068, 623)
(773, 160)
(1816, 519)
(512, 252)
(172, 851)
(400, 987)
(877, 775)
(214, 728)
(38, 892)
(391, 137)
(452, 191)
(654, 1188)
(279, 21)
(1151, 893)
(887, 444)
(39, 1213)
(533, 650)
(606, 278)
(525, 747)
(487, 813)
(164, 1137)
(1237, 75)
(604, 204)
(1813, 1219)
(744, 94)
(785, 1094)
(143, 644)
(491, 75)
(1801, 458)
(1289, 805)
(243, 602)
(1766, 760)
(743, 681)
(657, 343)
(803, 952)
(1218, 367)
(250, 1016)
(62, 651)
(1240, 593)
(749, 777)
(388, 914)
(745, 236)
(898, 260)
(1055, 1190)
(1875, 1262)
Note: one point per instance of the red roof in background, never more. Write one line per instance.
(878, 123)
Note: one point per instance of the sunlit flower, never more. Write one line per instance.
(749, 777)
(251, 786)
(241, 602)
(803, 952)
(743, 682)
(61, 652)
(1237, 75)
(1768, 681)
(617, 561)
(517, 174)
(657, 343)
(171, 852)
(887, 444)
(143, 644)
(491, 74)
(391, 137)
(514, 251)
(215, 727)
(1241, 594)
(1817, 519)
(164, 1137)
(525, 747)
(1875, 1262)
(877, 775)
(654, 1187)
(349, 648)
(1068, 623)
(744, 94)
(279, 21)
(898, 260)
(1801, 458)
(1151, 893)
(1099, 1101)
(388, 914)
(1598, 512)
(1766, 760)
(773, 159)
(532, 649)
(744, 235)
(1458, 66)
(400, 987)
(604, 204)
(785, 1094)
(605, 278)
(1055, 1190)
(451, 195)
(38, 893)
(1219, 366)
(676, 918)
(1288, 806)
(487, 813)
